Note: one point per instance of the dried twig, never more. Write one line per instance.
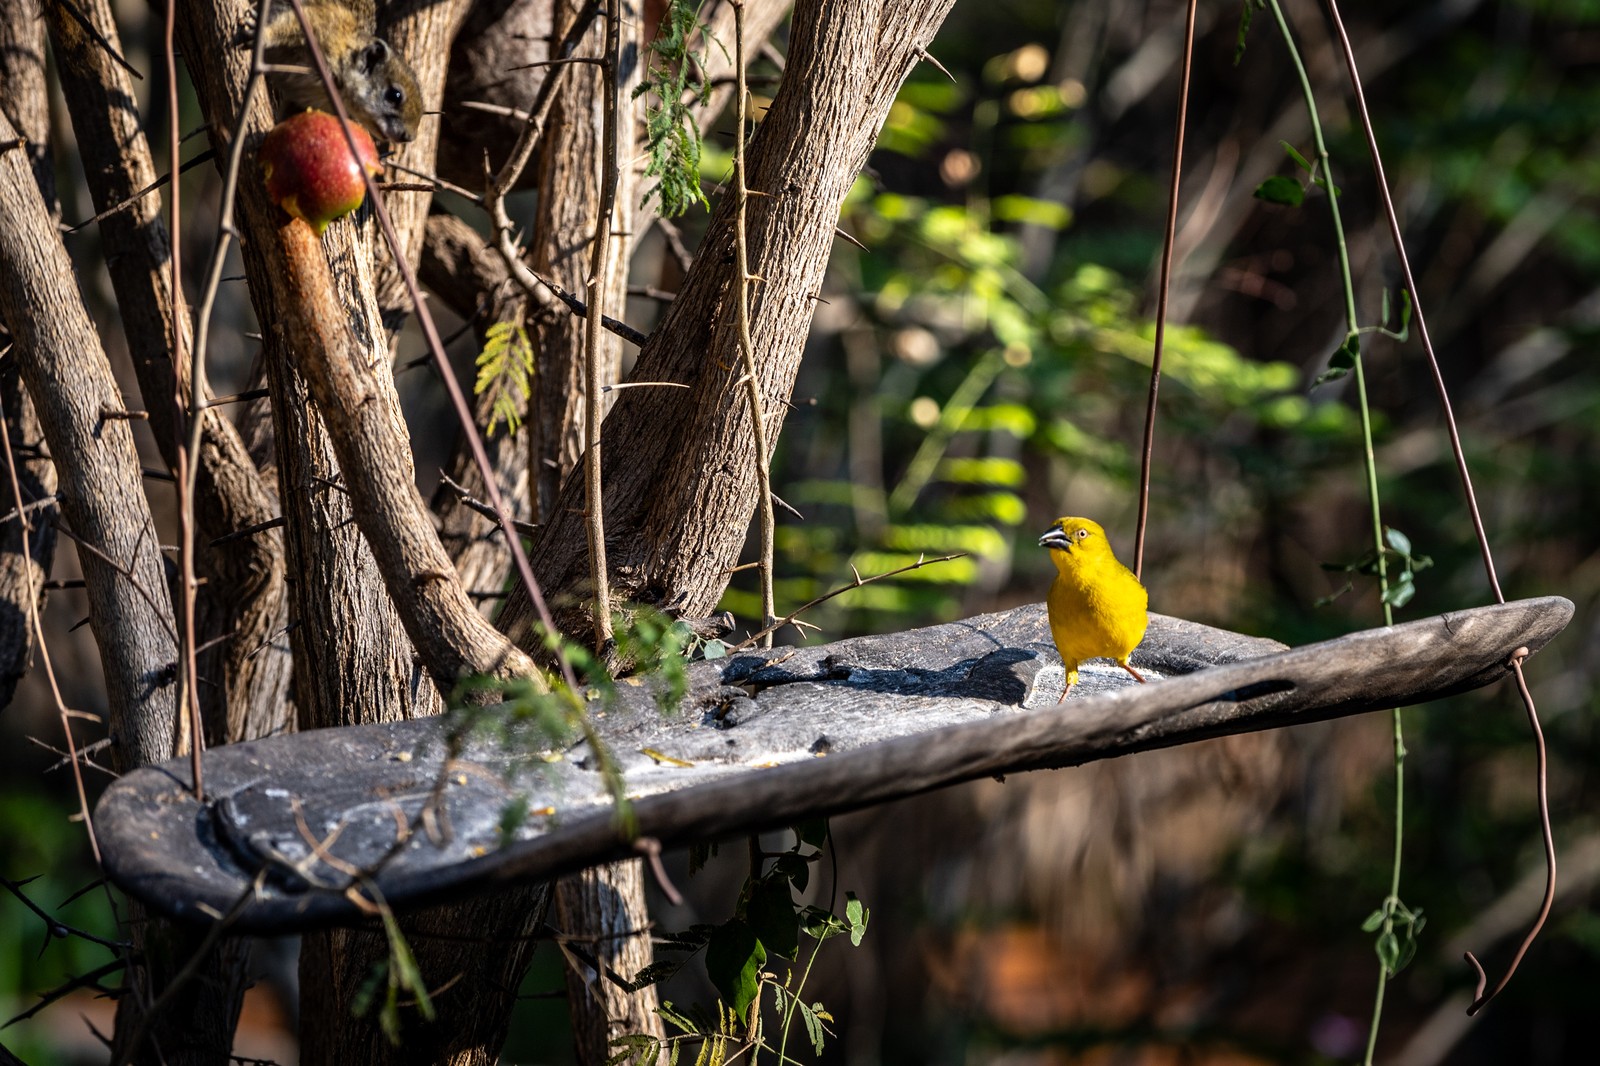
(599, 270)
(579, 308)
(527, 529)
(752, 380)
(1163, 290)
(32, 596)
(841, 590)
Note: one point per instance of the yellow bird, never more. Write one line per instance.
(1097, 607)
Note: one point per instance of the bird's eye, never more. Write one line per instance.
(1082, 533)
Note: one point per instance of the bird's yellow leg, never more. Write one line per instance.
(1072, 679)
(1137, 676)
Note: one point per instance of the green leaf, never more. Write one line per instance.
(714, 649)
(512, 817)
(771, 913)
(792, 867)
(1294, 153)
(1341, 362)
(1397, 540)
(1006, 473)
(1389, 952)
(820, 924)
(734, 958)
(1246, 16)
(505, 371)
(638, 1049)
(813, 1025)
(1034, 212)
(813, 831)
(856, 914)
(1374, 922)
(1408, 951)
(1400, 593)
(676, 1018)
(1279, 189)
(1405, 316)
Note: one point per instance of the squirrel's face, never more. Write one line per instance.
(396, 104)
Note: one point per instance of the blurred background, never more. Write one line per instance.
(978, 369)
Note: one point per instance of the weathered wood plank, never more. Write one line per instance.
(762, 740)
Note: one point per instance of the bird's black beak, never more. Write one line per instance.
(1056, 537)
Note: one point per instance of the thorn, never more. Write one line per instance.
(781, 503)
(851, 239)
(924, 54)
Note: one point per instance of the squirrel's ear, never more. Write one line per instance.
(375, 54)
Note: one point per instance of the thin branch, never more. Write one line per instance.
(204, 157)
(579, 308)
(1480, 1000)
(599, 276)
(84, 980)
(38, 635)
(430, 334)
(758, 417)
(841, 590)
(53, 926)
(29, 508)
(674, 237)
(1416, 299)
(248, 531)
(144, 593)
(1163, 291)
(494, 196)
(527, 529)
(99, 38)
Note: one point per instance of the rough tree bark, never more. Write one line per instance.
(66, 370)
(679, 464)
(24, 559)
(423, 33)
(102, 494)
(241, 603)
(460, 269)
(568, 179)
(353, 662)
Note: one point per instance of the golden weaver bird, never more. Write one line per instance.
(1097, 607)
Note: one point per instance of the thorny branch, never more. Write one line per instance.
(430, 333)
(841, 590)
(752, 379)
(188, 456)
(32, 596)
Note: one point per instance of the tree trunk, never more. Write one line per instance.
(680, 464)
(241, 603)
(26, 549)
(66, 371)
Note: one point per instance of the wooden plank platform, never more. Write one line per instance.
(293, 826)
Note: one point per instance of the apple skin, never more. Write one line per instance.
(310, 172)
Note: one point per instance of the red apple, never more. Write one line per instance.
(310, 172)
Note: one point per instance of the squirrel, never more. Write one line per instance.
(377, 85)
